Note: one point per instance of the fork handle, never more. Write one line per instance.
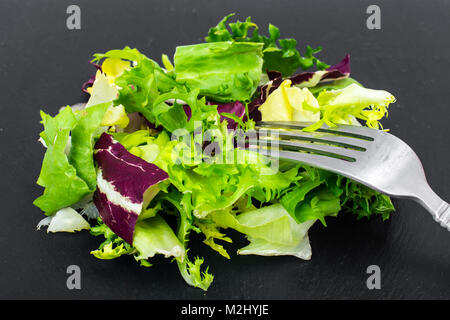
(439, 209)
(442, 215)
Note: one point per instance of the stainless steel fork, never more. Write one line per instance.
(372, 157)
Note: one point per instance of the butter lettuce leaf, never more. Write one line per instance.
(154, 236)
(115, 116)
(260, 247)
(270, 230)
(288, 103)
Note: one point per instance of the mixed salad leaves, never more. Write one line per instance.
(113, 166)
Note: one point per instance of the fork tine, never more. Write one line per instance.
(345, 130)
(323, 150)
(319, 137)
(359, 130)
(322, 162)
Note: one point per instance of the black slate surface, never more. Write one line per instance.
(42, 65)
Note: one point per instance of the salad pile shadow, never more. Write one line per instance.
(134, 154)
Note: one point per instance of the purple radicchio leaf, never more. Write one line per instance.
(90, 82)
(338, 71)
(188, 111)
(235, 107)
(125, 185)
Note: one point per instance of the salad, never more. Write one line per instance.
(151, 158)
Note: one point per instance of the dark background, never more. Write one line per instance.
(43, 64)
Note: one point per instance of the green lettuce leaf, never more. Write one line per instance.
(223, 71)
(63, 187)
(83, 134)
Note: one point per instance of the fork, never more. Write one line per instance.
(372, 157)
